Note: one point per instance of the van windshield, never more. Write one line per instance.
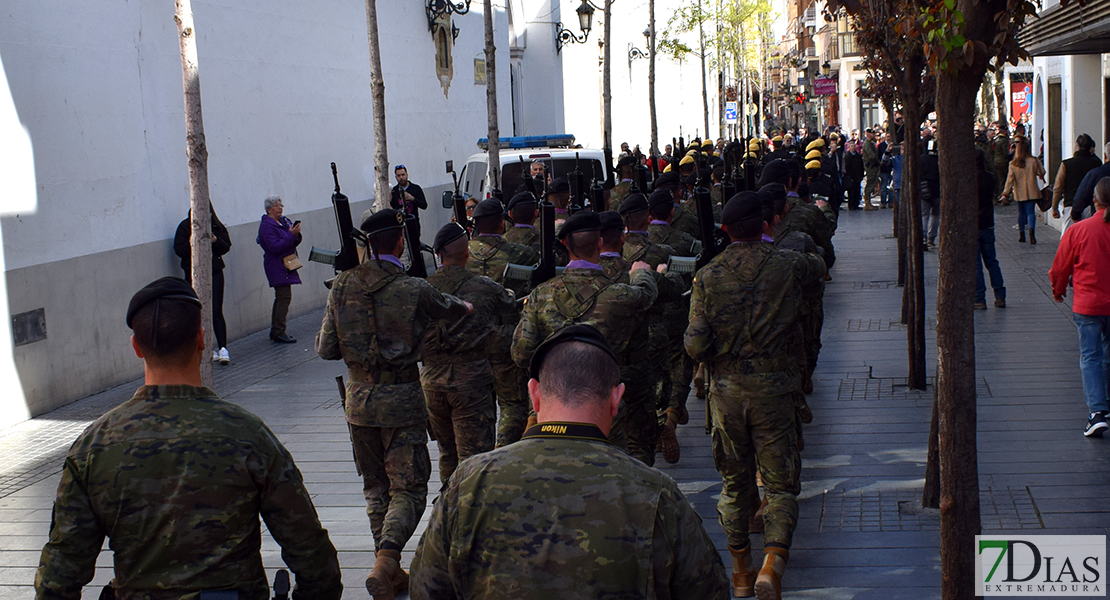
(591, 169)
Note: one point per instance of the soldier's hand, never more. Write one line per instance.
(469, 307)
(639, 265)
(821, 203)
(661, 268)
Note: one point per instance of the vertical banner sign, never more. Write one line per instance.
(1021, 99)
(730, 111)
(1040, 565)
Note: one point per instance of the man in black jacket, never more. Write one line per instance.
(407, 197)
(221, 243)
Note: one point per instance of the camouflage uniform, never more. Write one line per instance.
(588, 296)
(489, 254)
(788, 233)
(177, 478)
(456, 374)
(619, 193)
(871, 170)
(686, 221)
(524, 235)
(681, 368)
(743, 318)
(563, 514)
(376, 320)
(811, 220)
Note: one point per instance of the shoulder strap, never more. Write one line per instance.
(488, 252)
(573, 305)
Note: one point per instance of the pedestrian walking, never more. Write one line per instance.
(987, 254)
(930, 193)
(1069, 176)
(1084, 196)
(562, 513)
(1021, 181)
(1083, 259)
(279, 238)
(177, 479)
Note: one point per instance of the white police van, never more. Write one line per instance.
(556, 152)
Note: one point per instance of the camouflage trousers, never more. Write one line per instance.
(680, 373)
(763, 427)
(511, 386)
(395, 468)
(811, 335)
(870, 185)
(636, 427)
(463, 421)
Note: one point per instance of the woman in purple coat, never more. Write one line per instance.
(279, 238)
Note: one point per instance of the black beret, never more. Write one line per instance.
(447, 234)
(691, 179)
(383, 220)
(766, 201)
(488, 208)
(774, 171)
(559, 186)
(670, 178)
(587, 334)
(660, 196)
(168, 288)
(626, 161)
(777, 190)
(610, 220)
(741, 207)
(583, 220)
(633, 203)
(521, 198)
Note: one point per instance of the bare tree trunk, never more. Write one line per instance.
(704, 84)
(651, 81)
(1000, 94)
(721, 68)
(955, 384)
(377, 107)
(491, 100)
(987, 89)
(606, 88)
(911, 152)
(197, 151)
(930, 496)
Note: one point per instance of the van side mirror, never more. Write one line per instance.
(448, 200)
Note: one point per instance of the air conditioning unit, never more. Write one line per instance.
(809, 19)
(811, 52)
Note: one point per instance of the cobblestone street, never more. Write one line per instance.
(861, 533)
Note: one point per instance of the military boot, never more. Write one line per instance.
(699, 382)
(768, 584)
(387, 578)
(743, 572)
(668, 441)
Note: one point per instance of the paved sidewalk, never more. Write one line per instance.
(861, 534)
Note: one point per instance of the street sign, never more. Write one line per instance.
(730, 112)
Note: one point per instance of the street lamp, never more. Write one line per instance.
(634, 52)
(437, 8)
(585, 24)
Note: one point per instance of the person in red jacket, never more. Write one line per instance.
(1084, 257)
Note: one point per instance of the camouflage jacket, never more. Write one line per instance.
(524, 235)
(456, 354)
(564, 514)
(686, 221)
(808, 219)
(490, 254)
(177, 478)
(586, 296)
(744, 314)
(681, 243)
(637, 246)
(619, 192)
(870, 156)
(375, 320)
(1000, 153)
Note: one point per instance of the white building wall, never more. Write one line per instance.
(285, 91)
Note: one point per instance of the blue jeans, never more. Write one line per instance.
(884, 191)
(1094, 358)
(1027, 215)
(990, 259)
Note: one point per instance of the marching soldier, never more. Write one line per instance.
(456, 375)
(624, 187)
(683, 220)
(564, 514)
(177, 478)
(753, 382)
(523, 210)
(376, 319)
(489, 255)
(583, 294)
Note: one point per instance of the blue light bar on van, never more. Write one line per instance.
(563, 140)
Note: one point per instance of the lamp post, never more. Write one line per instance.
(565, 36)
(437, 8)
(634, 52)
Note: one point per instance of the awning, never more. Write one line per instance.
(1070, 29)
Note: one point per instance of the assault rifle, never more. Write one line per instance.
(703, 202)
(455, 201)
(347, 255)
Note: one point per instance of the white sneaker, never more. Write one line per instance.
(215, 357)
(222, 357)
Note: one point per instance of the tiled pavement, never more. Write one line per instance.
(862, 533)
